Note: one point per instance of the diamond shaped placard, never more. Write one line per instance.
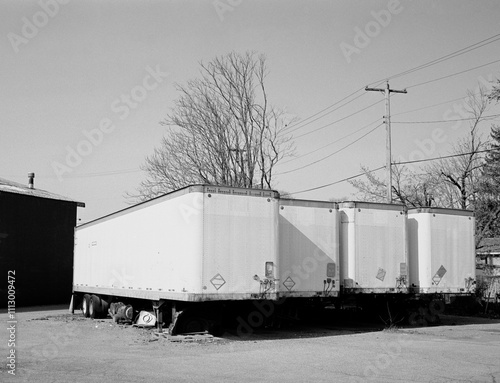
(381, 274)
(218, 281)
(289, 283)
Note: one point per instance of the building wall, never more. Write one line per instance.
(37, 243)
(488, 272)
(494, 261)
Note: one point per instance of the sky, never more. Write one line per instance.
(85, 84)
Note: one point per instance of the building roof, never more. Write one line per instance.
(7, 186)
(489, 246)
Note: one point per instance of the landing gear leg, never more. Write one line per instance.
(159, 314)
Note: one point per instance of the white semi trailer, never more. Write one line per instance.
(202, 251)
(373, 248)
(308, 249)
(407, 263)
(197, 244)
(441, 245)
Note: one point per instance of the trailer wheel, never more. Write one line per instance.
(85, 305)
(418, 317)
(104, 308)
(193, 324)
(217, 329)
(94, 306)
(436, 307)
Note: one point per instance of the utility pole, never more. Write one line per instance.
(387, 91)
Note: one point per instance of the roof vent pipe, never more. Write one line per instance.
(31, 180)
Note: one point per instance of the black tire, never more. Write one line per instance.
(436, 308)
(104, 308)
(418, 317)
(217, 329)
(193, 324)
(415, 319)
(86, 305)
(94, 306)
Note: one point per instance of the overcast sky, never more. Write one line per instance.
(84, 84)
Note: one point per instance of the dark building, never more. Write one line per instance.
(37, 241)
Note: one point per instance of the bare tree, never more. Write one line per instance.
(414, 189)
(371, 190)
(224, 130)
(495, 92)
(462, 173)
(488, 197)
(409, 188)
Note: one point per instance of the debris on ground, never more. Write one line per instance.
(194, 337)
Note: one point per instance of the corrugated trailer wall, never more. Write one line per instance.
(308, 248)
(198, 243)
(373, 247)
(442, 250)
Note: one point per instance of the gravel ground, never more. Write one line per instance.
(55, 346)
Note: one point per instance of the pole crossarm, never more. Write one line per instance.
(387, 91)
(384, 89)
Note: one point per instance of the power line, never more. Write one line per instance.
(412, 86)
(321, 111)
(331, 143)
(443, 157)
(437, 121)
(331, 154)
(316, 119)
(420, 67)
(433, 105)
(339, 120)
(451, 75)
(443, 121)
(339, 181)
(382, 167)
(449, 56)
(325, 109)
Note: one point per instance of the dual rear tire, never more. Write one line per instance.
(94, 307)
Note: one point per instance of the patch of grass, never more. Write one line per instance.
(391, 328)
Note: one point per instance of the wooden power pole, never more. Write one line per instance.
(387, 91)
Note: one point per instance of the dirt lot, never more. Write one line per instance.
(55, 346)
